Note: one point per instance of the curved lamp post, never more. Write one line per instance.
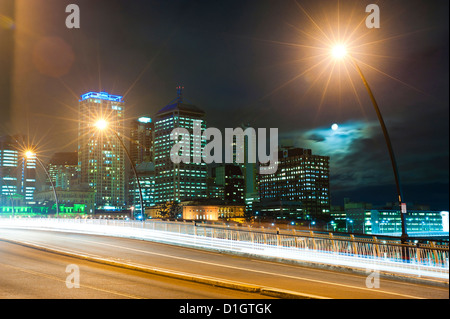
(30, 155)
(103, 125)
(339, 52)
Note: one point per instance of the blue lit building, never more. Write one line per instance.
(388, 221)
(101, 158)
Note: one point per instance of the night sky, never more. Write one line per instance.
(253, 62)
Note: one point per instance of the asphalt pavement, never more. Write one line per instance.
(44, 264)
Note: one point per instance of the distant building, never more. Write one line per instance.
(250, 171)
(9, 163)
(182, 181)
(338, 219)
(17, 172)
(200, 210)
(213, 211)
(141, 140)
(146, 175)
(361, 217)
(251, 199)
(388, 222)
(63, 169)
(227, 183)
(301, 177)
(101, 157)
(279, 211)
(73, 201)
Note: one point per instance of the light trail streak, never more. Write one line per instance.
(235, 246)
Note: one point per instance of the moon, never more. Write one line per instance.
(334, 127)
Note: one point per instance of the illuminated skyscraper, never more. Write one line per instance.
(101, 158)
(177, 182)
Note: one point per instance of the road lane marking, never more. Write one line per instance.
(218, 282)
(40, 274)
(252, 270)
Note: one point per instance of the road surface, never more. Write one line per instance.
(31, 273)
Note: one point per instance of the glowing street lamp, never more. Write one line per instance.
(32, 155)
(102, 125)
(339, 52)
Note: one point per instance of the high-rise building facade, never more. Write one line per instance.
(141, 140)
(9, 163)
(250, 170)
(62, 169)
(226, 182)
(101, 157)
(182, 181)
(301, 177)
(146, 175)
(17, 171)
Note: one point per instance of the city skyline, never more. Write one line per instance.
(247, 83)
(226, 157)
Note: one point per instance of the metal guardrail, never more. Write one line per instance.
(319, 247)
(419, 253)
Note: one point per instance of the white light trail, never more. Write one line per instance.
(138, 230)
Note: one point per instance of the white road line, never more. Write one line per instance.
(253, 270)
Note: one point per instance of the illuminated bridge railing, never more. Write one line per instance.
(416, 259)
(369, 247)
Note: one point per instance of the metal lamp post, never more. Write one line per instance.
(339, 52)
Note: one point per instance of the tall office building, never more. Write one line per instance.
(141, 140)
(183, 181)
(101, 157)
(301, 177)
(9, 163)
(141, 153)
(17, 172)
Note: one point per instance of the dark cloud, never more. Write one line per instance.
(315, 138)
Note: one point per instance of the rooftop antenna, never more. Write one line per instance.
(180, 93)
